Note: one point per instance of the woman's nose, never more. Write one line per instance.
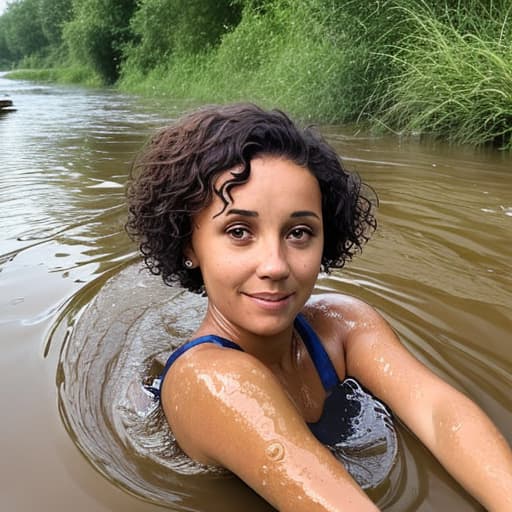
(273, 263)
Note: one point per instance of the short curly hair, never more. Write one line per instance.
(174, 178)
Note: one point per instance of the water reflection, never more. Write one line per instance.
(439, 269)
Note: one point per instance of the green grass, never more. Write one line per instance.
(454, 79)
(70, 75)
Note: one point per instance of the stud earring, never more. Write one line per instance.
(188, 263)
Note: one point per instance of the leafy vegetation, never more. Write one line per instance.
(164, 29)
(22, 30)
(97, 33)
(442, 67)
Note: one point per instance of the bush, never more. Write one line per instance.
(413, 66)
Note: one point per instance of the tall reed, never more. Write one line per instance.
(454, 74)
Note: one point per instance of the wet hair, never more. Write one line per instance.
(174, 178)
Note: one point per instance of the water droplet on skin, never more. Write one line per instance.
(275, 451)
(215, 386)
(350, 324)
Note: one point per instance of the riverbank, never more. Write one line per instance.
(65, 75)
(442, 68)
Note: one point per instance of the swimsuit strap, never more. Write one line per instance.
(321, 360)
(156, 385)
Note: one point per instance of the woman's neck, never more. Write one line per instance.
(277, 351)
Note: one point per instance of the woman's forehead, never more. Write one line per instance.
(268, 163)
(272, 179)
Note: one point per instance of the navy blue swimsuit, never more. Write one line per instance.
(336, 423)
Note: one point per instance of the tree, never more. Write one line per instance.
(22, 29)
(166, 27)
(53, 14)
(98, 32)
(5, 54)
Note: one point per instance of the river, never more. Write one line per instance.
(439, 269)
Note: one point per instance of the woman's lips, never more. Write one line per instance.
(270, 301)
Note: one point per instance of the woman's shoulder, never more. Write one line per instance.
(339, 302)
(343, 313)
(209, 371)
(208, 362)
(210, 385)
(336, 319)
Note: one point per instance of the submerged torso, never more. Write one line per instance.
(351, 422)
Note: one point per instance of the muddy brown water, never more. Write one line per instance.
(439, 268)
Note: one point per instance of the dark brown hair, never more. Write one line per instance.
(173, 179)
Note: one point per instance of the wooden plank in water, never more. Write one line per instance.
(4, 102)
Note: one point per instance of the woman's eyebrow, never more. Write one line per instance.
(305, 213)
(244, 213)
(252, 213)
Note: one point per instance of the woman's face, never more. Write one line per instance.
(261, 256)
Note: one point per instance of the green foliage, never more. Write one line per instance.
(335, 61)
(53, 14)
(22, 29)
(97, 34)
(277, 54)
(164, 28)
(455, 75)
(30, 31)
(70, 74)
(5, 54)
(319, 59)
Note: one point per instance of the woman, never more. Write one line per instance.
(242, 205)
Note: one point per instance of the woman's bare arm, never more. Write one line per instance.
(228, 409)
(455, 429)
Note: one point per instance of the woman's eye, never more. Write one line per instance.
(238, 233)
(300, 234)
